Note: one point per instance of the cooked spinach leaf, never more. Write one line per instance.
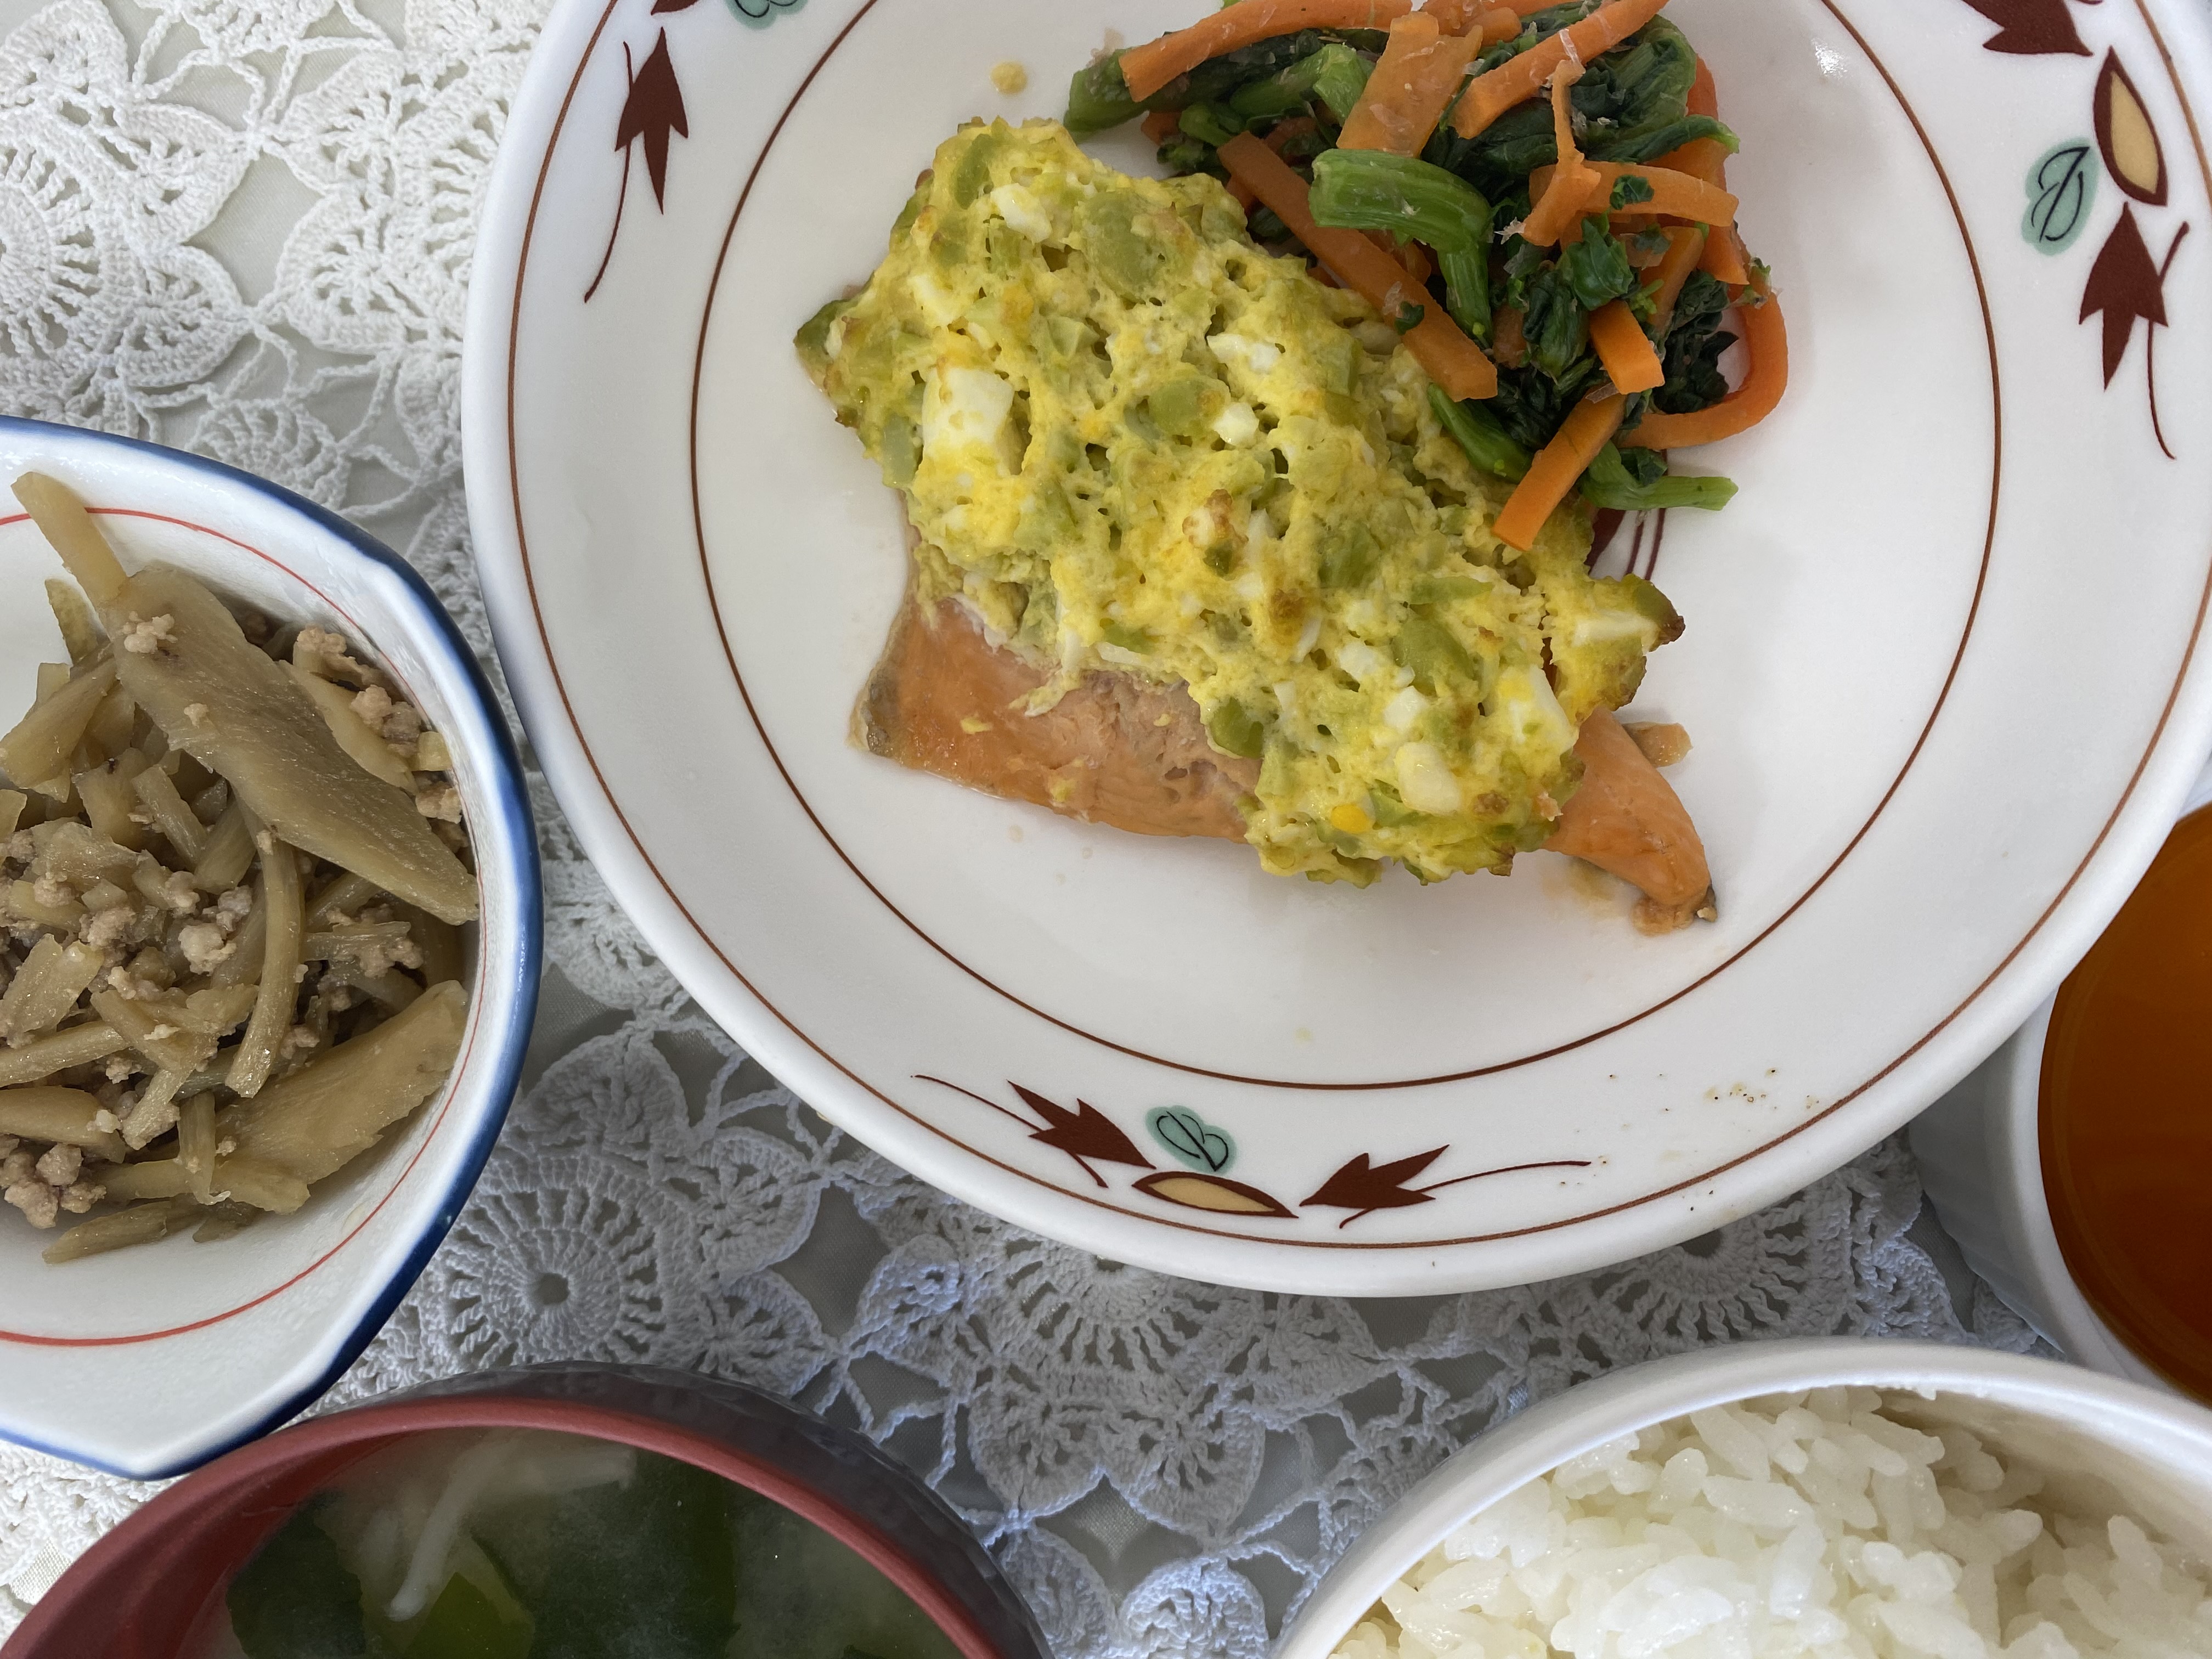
(1596, 268)
(1694, 343)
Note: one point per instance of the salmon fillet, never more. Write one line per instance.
(1112, 751)
(1118, 751)
(1625, 819)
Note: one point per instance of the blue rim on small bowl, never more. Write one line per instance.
(500, 813)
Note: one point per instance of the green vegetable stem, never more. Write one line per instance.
(1373, 189)
(1637, 479)
(1476, 430)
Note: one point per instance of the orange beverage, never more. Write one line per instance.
(2126, 1115)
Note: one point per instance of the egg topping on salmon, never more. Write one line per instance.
(1131, 440)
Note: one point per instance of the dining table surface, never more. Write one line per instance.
(244, 228)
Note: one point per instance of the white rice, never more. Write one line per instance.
(1814, 1524)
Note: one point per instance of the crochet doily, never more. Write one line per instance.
(244, 227)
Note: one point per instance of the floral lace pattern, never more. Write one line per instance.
(246, 229)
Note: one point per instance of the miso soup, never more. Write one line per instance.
(525, 1544)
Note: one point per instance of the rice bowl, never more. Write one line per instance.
(1993, 1504)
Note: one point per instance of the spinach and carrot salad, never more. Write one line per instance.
(1535, 195)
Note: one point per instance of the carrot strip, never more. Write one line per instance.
(1560, 206)
(1411, 83)
(1458, 16)
(1563, 112)
(1279, 137)
(1449, 358)
(1705, 158)
(1624, 348)
(1675, 195)
(1500, 26)
(1684, 244)
(1704, 95)
(1148, 68)
(1411, 255)
(1161, 125)
(1562, 198)
(1743, 408)
(1518, 79)
(1701, 158)
(1724, 258)
(1553, 473)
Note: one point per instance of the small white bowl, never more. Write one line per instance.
(2153, 1450)
(1981, 1166)
(151, 1360)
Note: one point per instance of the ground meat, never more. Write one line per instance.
(145, 638)
(128, 986)
(106, 930)
(60, 1164)
(442, 803)
(203, 945)
(35, 1199)
(402, 728)
(81, 1195)
(233, 907)
(330, 650)
(375, 706)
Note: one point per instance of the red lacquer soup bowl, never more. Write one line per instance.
(153, 1588)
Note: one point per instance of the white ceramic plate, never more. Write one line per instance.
(1941, 667)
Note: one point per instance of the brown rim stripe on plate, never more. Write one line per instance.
(924, 1122)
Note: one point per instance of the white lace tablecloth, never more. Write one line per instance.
(244, 227)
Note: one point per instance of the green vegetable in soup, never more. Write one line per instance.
(641, 1571)
(297, 1598)
(803, 1594)
(465, 1623)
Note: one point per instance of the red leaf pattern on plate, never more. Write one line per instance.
(653, 112)
(2030, 28)
(1359, 1186)
(1084, 1134)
